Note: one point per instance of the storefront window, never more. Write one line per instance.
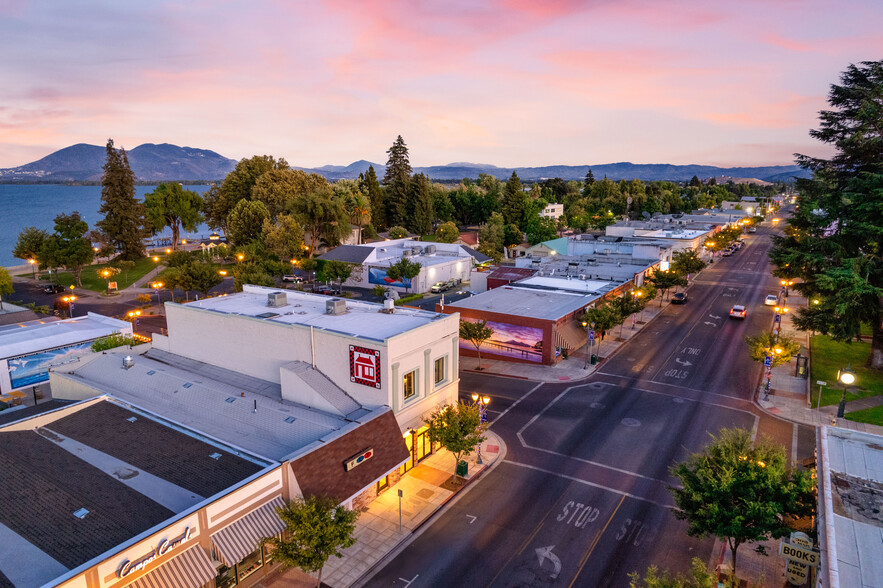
(226, 577)
(409, 443)
(383, 484)
(250, 564)
(440, 370)
(409, 385)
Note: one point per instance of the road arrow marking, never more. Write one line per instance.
(708, 323)
(715, 317)
(473, 518)
(408, 582)
(543, 553)
(685, 363)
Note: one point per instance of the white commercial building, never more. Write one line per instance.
(553, 210)
(439, 261)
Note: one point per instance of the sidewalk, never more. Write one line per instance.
(378, 533)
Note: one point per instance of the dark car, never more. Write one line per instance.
(679, 298)
(53, 288)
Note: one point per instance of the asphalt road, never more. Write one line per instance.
(582, 496)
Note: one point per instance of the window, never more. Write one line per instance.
(250, 564)
(383, 484)
(409, 385)
(440, 370)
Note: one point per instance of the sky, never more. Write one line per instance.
(505, 82)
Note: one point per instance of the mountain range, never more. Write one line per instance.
(165, 162)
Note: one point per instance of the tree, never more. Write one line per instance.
(246, 222)
(397, 179)
(740, 490)
(666, 280)
(541, 229)
(5, 284)
(447, 233)
(251, 272)
(491, 236)
(404, 269)
(699, 577)
(125, 266)
(371, 188)
(457, 428)
(202, 276)
(686, 262)
(359, 208)
(278, 188)
(67, 246)
(30, 243)
(123, 225)
(318, 527)
(514, 202)
(106, 273)
(834, 240)
(422, 213)
(170, 205)
(476, 333)
(398, 232)
(215, 209)
(780, 349)
(323, 216)
(337, 270)
(604, 315)
(284, 238)
(239, 183)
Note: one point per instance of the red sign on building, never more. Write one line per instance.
(365, 366)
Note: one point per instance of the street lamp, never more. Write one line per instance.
(106, 275)
(33, 263)
(846, 377)
(481, 402)
(70, 303)
(786, 284)
(240, 256)
(590, 337)
(637, 295)
(156, 286)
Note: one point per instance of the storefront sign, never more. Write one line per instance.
(165, 546)
(365, 366)
(358, 459)
(797, 570)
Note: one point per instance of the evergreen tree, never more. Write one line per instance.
(371, 187)
(513, 202)
(695, 183)
(422, 213)
(396, 180)
(123, 225)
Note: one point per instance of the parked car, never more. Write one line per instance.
(771, 300)
(752, 229)
(439, 287)
(727, 252)
(738, 311)
(454, 282)
(293, 279)
(53, 288)
(679, 298)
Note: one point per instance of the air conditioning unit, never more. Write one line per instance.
(335, 306)
(416, 250)
(429, 249)
(406, 253)
(582, 276)
(276, 299)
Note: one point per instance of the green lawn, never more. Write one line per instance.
(828, 356)
(872, 416)
(92, 281)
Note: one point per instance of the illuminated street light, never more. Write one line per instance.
(846, 377)
(481, 402)
(33, 263)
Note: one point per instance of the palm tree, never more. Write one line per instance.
(359, 209)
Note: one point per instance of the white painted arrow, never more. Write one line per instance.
(472, 517)
(715, 317)
(543, 553)
(708, 323)
(685, 363)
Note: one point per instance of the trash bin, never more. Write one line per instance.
(462, 468)
(594, 359)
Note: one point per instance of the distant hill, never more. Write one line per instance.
(157, 163)
(149, 162)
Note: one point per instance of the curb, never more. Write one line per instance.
(437, 513)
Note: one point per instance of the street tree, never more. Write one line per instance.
(170, 205)
(284, 238)
(686, 262)
(30, 243)
(68, 246)
(317, 528)
(476, 333)
(201, 276)
(397, 232)
(666, 280)
(5, 284)
(740, 491)
(779, 348)
(833, 242)
(447, 233)
(106, 274)
(339, 271)
(396, 181)
(251, 272)
(246, 222)
(405, 270)
(124, 223)
(457, 428)
(605, 316)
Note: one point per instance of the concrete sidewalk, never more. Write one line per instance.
(383, 528)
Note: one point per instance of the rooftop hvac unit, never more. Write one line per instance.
(128, 362)
(335, 306)
(276, 299)
(389, 306)
(429, 249)
(582, 276)
(416, 250)
(406, 253)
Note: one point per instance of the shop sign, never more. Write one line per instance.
(365, 366)
(164, 547)
(797, 572)
(358, 459)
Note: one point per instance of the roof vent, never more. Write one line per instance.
(406, 253)
(290, 419)
(276, 299)
(151, 372)
(389, 306)
(230, 399)
(335, 306)
(216, 456)
(128, 362)
(187, 385)
(416, 250)
(81, 513)
(430, 249)
(132, 419)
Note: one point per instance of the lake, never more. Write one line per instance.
(37, 206)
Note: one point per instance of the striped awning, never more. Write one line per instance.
(236, 540)
(570, 335)
(189, 569)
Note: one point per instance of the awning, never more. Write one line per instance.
(570, 335)
(236, 540)
(189, 569)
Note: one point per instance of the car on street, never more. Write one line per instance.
(679, 298)
(771, 300)
(738, 311)
(293, 279)
(53, 288)
(752, 229)
(727, 252)
(439, 287)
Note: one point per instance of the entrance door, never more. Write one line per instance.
(423, 446)
(409, 443)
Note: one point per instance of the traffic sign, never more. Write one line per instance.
(767, 361)
(591, 335)
(778, 318)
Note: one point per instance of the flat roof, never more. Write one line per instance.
(527, 302)
(90, 476)
(361, 319)
(674, 233)
(32, 336)
(246, 414)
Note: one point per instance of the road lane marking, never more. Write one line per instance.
(586, 483)
(514, 404)
(408, 582)
(546, 552)
(594, 544)
(472, 517)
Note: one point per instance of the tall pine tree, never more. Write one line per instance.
(422, 209)
(124, 225)
(371, 187)
(514, 202)
(397, 180)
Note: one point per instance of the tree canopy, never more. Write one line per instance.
(5, 284)
(246, 222)
(457, 428)
(476, 333)
(170, 205)
(30, 243)
(68, 246)
(124, 224)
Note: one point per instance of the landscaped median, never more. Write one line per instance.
(828, 357)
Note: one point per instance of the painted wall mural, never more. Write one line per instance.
(377, 275)
(28, 370)
(511, 341)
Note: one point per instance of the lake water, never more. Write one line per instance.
(37, 206)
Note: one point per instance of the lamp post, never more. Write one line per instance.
(780, 310)
(847, 378)
(70, 304)
(786, 284)
(768, 362)
(33, 263)
(637, 295)
(481, 402)
(590, 338)
(156, 286)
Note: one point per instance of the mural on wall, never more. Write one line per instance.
(510, 340)
(365, 366)
(377, 275)
(29, 370)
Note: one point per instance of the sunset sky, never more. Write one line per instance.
(509, 83)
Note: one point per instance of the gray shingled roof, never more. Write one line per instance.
(478, 257)
(348, 253)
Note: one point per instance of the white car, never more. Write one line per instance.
(771, 300)
(738, 311)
